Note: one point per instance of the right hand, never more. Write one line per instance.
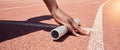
(63, 19)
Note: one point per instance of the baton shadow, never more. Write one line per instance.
(11, 29)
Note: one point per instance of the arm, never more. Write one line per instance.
(51, 4)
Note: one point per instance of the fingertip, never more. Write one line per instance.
(88, 33)
(77, 35)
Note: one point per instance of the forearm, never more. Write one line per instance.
(51, 5)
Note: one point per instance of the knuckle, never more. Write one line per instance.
(76, 27)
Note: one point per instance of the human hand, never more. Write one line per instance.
(63, 19)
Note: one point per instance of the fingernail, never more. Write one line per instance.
(77, 35)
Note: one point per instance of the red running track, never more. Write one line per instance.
(21, 37)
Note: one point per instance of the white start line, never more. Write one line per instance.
(96, 39)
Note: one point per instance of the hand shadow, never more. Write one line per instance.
(12, 29)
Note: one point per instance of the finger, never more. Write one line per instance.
(83, 31)
(89, 30)
(58, 22)
(79, 29)
(70, 28)
(74, 25)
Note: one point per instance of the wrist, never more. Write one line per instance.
(55, 10)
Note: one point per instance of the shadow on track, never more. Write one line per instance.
(12, 29)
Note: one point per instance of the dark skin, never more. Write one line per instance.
(64, 19)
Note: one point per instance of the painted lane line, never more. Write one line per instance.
(96, 39)
(18, 7)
